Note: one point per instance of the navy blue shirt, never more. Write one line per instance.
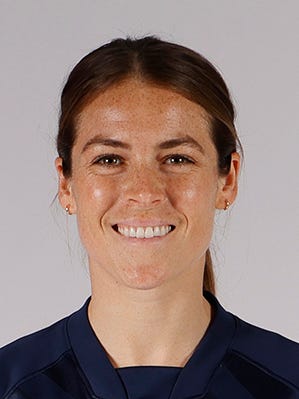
(234, 360)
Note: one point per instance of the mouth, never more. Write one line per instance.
(143, 231)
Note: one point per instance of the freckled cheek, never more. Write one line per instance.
(96, 196)
(187, 189)
(193, 195)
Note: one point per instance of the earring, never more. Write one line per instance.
(227, 205)
(67, 209)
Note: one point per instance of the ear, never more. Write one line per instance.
(228, 185)
(65, 194)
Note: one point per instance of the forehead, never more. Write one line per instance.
(142, 107)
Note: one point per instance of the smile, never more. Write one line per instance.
(144, 231)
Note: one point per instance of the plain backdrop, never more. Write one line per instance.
(254, 44)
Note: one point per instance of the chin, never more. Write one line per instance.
(144, 278)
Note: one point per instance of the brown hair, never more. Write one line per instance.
(157, 62)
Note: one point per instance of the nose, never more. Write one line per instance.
(144, 186)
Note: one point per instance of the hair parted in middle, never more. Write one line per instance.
(157, 62)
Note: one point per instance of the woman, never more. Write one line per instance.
(147, 152)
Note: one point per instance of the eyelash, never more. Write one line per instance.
(182, 159)
(102, 160)
(108, 160)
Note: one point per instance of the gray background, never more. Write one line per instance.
(255, 46)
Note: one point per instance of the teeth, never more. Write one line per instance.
(140, 232)
(132, 232)
(126, 231)
(157, 231)
(144, 232)
(149, 232)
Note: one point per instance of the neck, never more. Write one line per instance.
(160, 326)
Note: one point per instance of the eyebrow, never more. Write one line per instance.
(186, 140)
(99, 140)
(172, 143)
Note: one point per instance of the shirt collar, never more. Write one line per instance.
(194, 377)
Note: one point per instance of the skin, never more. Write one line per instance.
(128, 171)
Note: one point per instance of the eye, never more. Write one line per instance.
(178, 159)
(108, 160)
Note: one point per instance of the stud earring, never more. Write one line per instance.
(67, 209)
(227, 205)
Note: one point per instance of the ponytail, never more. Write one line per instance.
(208, 278)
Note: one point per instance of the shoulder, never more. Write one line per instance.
(267, 350)
(27, 356)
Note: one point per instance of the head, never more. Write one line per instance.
(153, 63)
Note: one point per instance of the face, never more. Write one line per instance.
(144, 185)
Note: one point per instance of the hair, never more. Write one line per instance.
(160, 63)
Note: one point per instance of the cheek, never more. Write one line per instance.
(194, 193)
(98, 194)
(93, 196)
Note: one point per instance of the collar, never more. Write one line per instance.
(194, 377)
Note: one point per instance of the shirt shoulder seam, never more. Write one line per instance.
(27, 377)
(266, 369)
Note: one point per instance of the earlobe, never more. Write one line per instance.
(228, 187)
(65, 195)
